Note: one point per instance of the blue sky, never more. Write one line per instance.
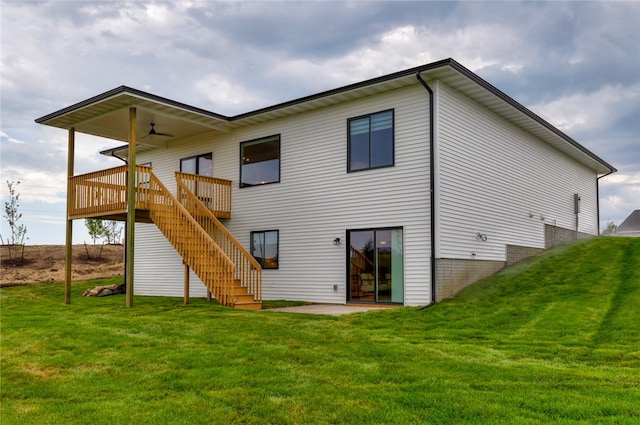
(576, 64)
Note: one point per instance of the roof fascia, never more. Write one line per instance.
(343, 89)
(499, 93)
(408, 72)
(133, 92)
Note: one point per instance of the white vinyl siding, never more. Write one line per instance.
(492, 175)
(315, 202)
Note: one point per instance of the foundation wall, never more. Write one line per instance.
(517, 253)
(454, 275)
(554, 235)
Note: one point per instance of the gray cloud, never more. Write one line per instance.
(574, 63)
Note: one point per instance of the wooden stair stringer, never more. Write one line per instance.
(196, 247)
(248, 272)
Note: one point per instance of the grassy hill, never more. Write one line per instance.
(580, 300)
(555, 339)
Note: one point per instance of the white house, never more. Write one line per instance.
(401, 189)
(630, 226)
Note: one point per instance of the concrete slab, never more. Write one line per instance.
(328, 309)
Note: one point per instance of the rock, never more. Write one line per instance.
(103, 291)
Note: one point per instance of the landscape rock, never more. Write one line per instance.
(103, 291)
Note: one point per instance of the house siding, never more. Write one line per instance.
(499, 181)
(315, 202)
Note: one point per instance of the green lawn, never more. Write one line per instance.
(552, 340)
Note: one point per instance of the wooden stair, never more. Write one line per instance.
(236, 287)
(191, 190)
(242, 299)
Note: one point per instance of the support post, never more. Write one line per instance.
(186, 283)
(131, 206)
(68, 253)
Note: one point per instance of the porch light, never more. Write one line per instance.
(336, 241)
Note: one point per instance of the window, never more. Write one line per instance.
(260, 161)
(264, 248)
(199, 164)
(371, 141)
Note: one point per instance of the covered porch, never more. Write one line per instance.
(128, 193)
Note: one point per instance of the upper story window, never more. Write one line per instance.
(199, 164)
(370, 143)
(260, 161)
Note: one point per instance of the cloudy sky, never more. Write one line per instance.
(576, 64)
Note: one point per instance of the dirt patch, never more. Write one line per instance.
(45, 263)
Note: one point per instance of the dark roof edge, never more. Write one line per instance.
(349, 87)
(488, 86)
(412, 71)
(112, 151)
(445, 62)
(135, 92)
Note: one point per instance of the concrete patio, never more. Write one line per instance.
(329, 309)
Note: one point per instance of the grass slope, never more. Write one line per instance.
(553, 339)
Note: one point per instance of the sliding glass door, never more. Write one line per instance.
(376, 271)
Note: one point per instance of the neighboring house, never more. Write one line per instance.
(630, 226)
(400, 189)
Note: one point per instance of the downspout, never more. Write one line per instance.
(113, 154)
(432, 191)
(598, 197)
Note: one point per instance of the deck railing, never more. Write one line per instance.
(214, 193)
(248, 271)
(105, 191)
(189, 222)
(196, 247)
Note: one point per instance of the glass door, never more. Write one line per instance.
(201, 165)
(375, 265)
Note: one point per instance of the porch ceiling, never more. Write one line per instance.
(107, 115)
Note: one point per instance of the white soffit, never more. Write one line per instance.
(106, 115)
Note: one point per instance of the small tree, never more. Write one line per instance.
(610, 229)
(113, 231)
(96, 230)
(18, 231)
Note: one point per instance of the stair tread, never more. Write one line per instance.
(193, 250)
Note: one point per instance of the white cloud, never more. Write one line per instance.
(5, 138)
(35, 185)
(227, 95)
(620, 195)
(575, 62)
(588, 111)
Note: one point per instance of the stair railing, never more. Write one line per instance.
(214, 193)
(248, 271)
(197, 248)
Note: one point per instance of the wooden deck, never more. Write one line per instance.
(103, 194)
(189, 221)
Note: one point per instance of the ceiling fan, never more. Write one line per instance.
(153, 132)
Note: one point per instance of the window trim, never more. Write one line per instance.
(262, 264)
(393, 141)
(265, 139)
